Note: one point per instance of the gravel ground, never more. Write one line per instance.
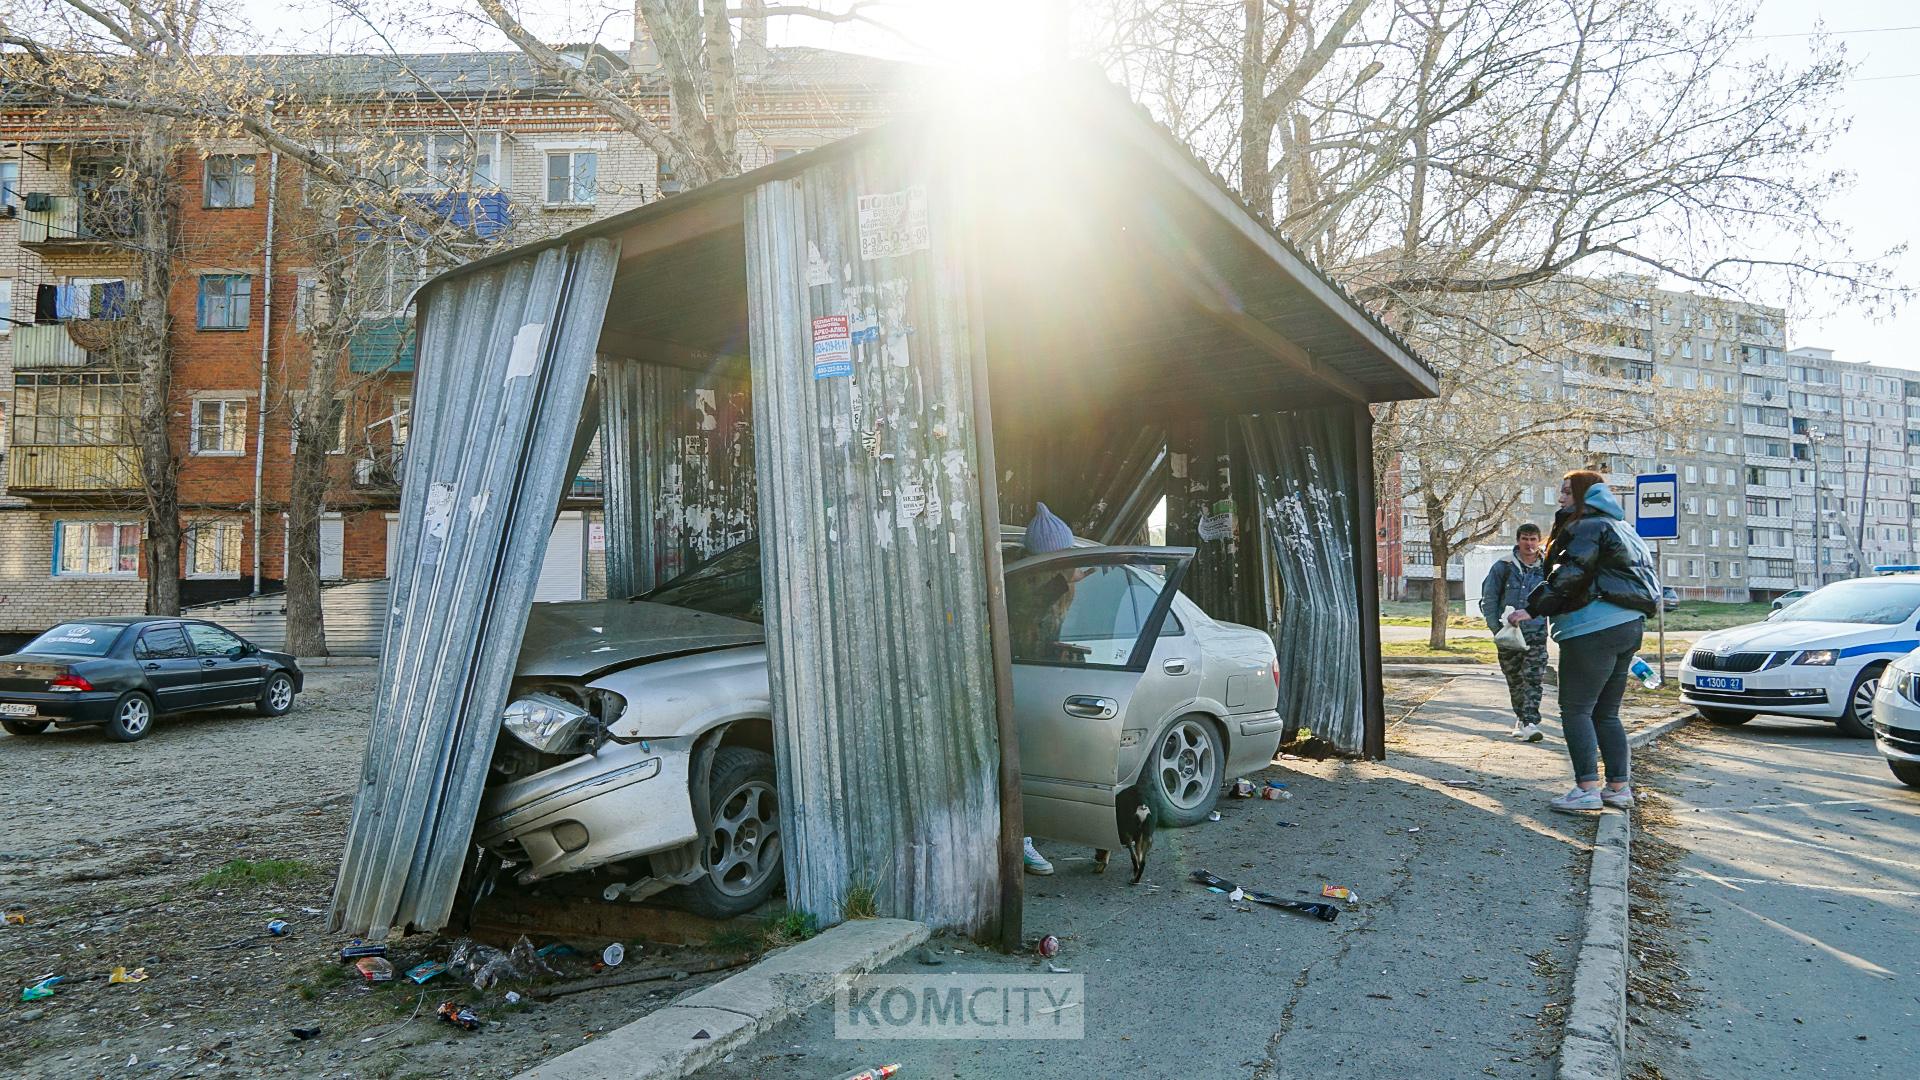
(125, 855)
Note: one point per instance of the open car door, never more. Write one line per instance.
(1083, 624)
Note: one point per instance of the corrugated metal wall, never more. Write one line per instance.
(877, 617)
(679, 468)
(505, 355)
(1305, 472)
(1211, 507)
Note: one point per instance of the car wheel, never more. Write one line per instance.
(24, 727)
(1182, 777)
(1907, 774)
(1728, 717)
(1857, 721)
(277, 697)
(132, 717)
(742, 841)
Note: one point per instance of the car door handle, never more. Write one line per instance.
(153, 667)
(1093, 708)
(207, 663)
(1176, 666)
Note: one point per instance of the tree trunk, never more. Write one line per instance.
(147, 346)
(1256, 116)
(306, 503)
(1439, 543)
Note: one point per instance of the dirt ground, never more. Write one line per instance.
(172, 854)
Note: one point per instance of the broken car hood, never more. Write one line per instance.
(587, 637)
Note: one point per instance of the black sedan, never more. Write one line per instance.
(123, 672)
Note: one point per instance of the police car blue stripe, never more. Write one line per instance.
(1884, 646)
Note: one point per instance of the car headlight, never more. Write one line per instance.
(1818, 657)
(1908, 683)
(549, 724)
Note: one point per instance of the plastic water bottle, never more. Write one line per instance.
(1649, 676)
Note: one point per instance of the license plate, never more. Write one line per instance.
(8, 708)
(1718, 682)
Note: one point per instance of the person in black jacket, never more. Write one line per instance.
(1599, 590)
(1508, 584)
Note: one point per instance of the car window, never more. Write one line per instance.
(212, 641)
(76, 639)
(162, 643)
(1880, 603)
(729, 585)
(1081, 615)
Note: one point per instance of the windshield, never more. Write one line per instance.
(1878, 602)
(729, 585)
(76, 639)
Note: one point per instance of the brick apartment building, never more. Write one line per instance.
(533, 158)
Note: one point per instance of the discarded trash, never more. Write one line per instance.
(483, 965)
(613, 955)
(1461, 783)
(548, 952)
(420, 973)
(1276, 791)
(41, 989)
(1238, 894)
(1323, 912)
(122, 975)
(1645, 672)
(356, 950)
(513, 997)
(702, 1034)
(17, 918)
(1338, 892)
(311, 911)
(1416, 828)
(1860, 809)
(1242, 788)
(1049, 947)
(1288, 824)
(278, 928)
(885, 1071)
(1058, 970)
(459, 1017)
(303, 1034)
(374, 969)
(1213, 815)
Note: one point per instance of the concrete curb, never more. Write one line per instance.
(1595, 1044)
(734, 1011)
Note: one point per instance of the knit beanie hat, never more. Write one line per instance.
(1046, 532)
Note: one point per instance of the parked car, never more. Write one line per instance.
(1896, 719)
(1670, 598)
(1820, 658)
(1788, 599)
(122, 673)
(639, 740)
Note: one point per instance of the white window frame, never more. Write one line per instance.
(430, 174)
(6, 306)
(10, 194)
(190, 564)
(574, 179)
(239, 180)
(61, 549)
(223, 425)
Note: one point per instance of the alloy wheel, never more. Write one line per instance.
(135, 716)
(280, 693)
(745, 845)
(1863, 699)
(1186, 766)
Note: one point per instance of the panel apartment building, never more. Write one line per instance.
(1795, 468)
(525, 157)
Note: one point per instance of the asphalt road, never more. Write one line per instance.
(1796, 901)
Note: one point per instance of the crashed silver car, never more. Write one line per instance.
(638, 742)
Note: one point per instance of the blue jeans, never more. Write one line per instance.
(1593, 678)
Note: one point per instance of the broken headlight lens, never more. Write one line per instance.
(549, 724)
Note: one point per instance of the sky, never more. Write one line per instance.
(1880, 149)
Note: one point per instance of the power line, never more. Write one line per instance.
(1835, 33)
(1883, 78)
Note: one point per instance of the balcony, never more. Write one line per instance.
(73, 468)
(382, 346)
(97, 222)
(46, 345)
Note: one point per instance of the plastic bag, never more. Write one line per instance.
(1509, 636)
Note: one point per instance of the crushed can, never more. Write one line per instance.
(459, 1017)
(357, 950)
(1048, 947)
(278, 928)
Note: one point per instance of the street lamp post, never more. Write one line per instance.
(1815, 437)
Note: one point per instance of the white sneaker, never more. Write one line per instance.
(1621, 798)
(1530, 732)
(1519, 731)
(1036, 862)
(1577, 801)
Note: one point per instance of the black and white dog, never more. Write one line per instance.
(1135, 821)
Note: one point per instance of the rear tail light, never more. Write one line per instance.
(1276, 676)
(71, 684)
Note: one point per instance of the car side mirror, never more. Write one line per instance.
(1774, 614)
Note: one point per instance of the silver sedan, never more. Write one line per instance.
(642, 731)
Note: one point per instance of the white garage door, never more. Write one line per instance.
(333, 547)
(563, 573)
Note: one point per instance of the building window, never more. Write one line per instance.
(226, 300)
(386, 276)
(447, 162)
(1713, 568)
(1693, 475)
(6, 305)
(1713, 506)
(1693, 568)
(96, 549)
(1673, 568)
(213, 549)
(1526, 495)
(571, 177)
(1713, 471)
(229, 181)
(220, 426)
(77, 409)
(310, 301)
(337, 426)
(9, 183)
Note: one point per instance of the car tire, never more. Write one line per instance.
(24, 727)
(1857, 721)
(740, 836)
(132, 718)
(277, 696)
(1184, 771)
(1906, 773)
(1724, 717)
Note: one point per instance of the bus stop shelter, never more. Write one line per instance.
(869, 355)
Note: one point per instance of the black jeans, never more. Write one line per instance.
(1593, 678)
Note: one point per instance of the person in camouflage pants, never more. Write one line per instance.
(1508, 584)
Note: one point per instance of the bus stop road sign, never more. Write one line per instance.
(1656, 506)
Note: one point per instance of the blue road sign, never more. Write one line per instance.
(1656, 506)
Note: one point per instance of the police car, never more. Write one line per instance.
(1821, 657)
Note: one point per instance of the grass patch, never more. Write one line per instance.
(1420, 613)
(1701, 615)
(1480, 649)
(792, 926)
(859, 903)
(254, 873)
